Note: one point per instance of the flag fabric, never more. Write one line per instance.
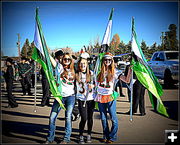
(107, 34)
(146, 76)
(41, 55)
(104, 45)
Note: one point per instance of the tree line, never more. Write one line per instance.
(169, 41)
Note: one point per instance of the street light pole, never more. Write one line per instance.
(18, 45)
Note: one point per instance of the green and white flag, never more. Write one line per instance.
(107, 34)
(104, 46)
(41, 55)
(146, 76)
(105, 43)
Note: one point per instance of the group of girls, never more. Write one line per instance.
(81, 85)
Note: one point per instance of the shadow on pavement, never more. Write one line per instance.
(35, 132)
(23, 114)
(172, 109)
(39, 105)
(24, 131)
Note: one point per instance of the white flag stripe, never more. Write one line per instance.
(37, 41)
(106, 39)
(135, 48)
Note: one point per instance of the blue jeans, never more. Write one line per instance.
(69, 105)
(104, 108)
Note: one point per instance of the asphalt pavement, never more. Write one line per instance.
(28, 123)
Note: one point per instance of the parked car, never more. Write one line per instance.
(121, 64)
(165, 65)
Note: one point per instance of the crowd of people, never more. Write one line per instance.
(81, 90)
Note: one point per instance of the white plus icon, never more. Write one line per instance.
(172, 137)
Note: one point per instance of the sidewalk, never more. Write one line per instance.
(23, 125)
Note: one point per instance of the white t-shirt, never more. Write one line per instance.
(105, 88)
(82, 89)
(67, 87)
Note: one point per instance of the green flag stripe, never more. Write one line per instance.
(110, 17)
(145, 75)
(47, 66)
(54, 91)
(158, 107)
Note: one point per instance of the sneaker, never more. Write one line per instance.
(81, 140)
(103, 140)
(142, 114)
(63, 142)
(88, 138)
(109, 141)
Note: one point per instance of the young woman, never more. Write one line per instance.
(65, 74)
(86, 104)
(106, 80)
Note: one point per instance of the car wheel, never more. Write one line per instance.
(168, 81)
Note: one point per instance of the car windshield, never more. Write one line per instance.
(172, 55)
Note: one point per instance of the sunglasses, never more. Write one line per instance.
(67, 59)
(108, 60)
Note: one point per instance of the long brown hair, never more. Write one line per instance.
(78, 74)
(110, 73)
(70, 66)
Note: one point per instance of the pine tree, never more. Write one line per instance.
(25, 49)
(170, 39)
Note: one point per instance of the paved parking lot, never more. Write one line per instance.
(23, 125)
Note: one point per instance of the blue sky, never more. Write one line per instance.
(75, 24)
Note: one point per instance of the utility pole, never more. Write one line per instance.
(18, 45)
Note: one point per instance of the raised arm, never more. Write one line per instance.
(127, 78)
(54, 63)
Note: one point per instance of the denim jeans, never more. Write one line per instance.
(69, 105)
(104, 108)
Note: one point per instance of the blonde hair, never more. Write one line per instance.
(110, 73)
(78, 74)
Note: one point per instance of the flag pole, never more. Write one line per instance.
(131, 85)
(35, 88)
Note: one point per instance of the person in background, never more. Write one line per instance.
(138, 90)
(119, 85)
(128, 60)
(16, 71)
(85, 97)
(24, 70)
(32, 73)
(9, 77)
(58, 56)
(45, 89)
